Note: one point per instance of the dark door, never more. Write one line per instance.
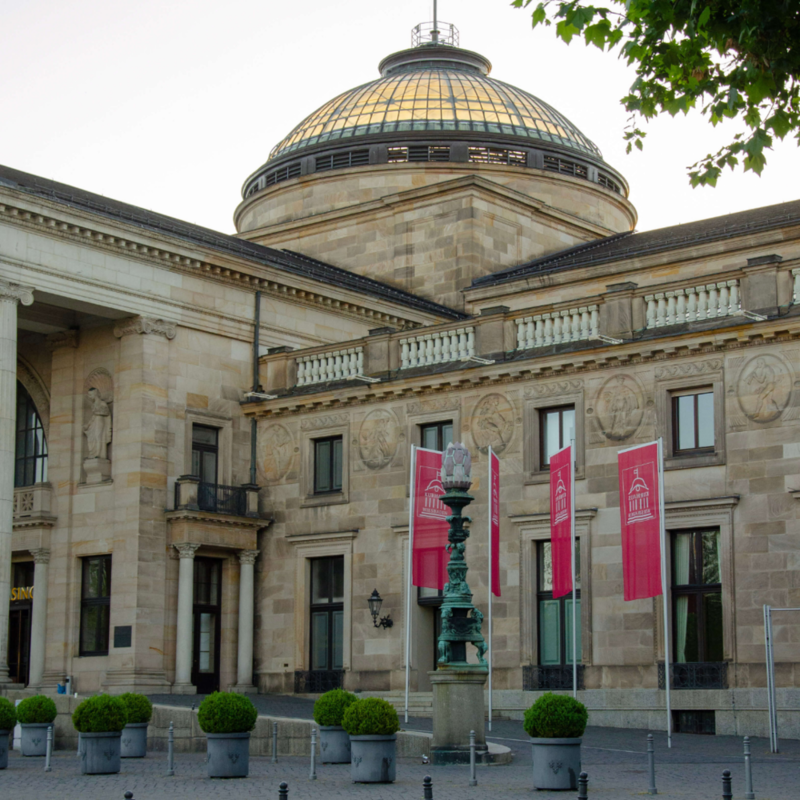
(205, 652)
(327, 614)
(19, 623)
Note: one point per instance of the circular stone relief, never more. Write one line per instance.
(619, 407)
(764, 388)
(276, 450)
(377, 439)
(493, 423)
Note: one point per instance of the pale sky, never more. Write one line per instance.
(170, 105)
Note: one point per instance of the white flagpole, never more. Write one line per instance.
(409, 569)
(572, 539)
(664, 594)
(491, 587)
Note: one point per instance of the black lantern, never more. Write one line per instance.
(374, 602)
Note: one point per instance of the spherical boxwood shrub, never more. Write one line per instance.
(227, 712)
(8, 714)
(38, 709)
(371, 716)
(556, 716)
(100, 714)
(330, 708)
(139, 708)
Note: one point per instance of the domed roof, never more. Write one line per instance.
(435, 88)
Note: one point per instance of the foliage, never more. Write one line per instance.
(37, 709)
(556, 716)
(8, 714)
(330, 708)
(227, 712)
(101, 713)
(139, 708)
(371, 716)
(732, 59)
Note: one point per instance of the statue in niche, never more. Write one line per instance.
(98, 429)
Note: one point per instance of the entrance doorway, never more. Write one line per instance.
(19, 623)
(206, 621)
(430, 627)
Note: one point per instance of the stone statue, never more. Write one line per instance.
(98, 429)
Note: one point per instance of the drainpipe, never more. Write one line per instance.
(253, 423)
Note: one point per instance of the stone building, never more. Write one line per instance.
(206, 437)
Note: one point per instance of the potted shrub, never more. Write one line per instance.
(134, 735)
(35, 715)
(100, 720)
(555, 723)
(372, 724)
(334, 741)
(227, 719)
(8, 719)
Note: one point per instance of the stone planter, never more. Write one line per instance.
(100, 753)
(4, 748)
(373, 758)
(134, 740)
(556, 763)
(33, 741)
(228, 755)
(334, 744)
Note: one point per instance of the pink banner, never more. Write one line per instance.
(561, 489)
(494, 520)
(429, 556)
(640, 512)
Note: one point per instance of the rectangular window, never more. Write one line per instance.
(95, 605)
(557, 430)
(327, 613)
(205, 453)
(436, 436)
(693, 422)
(328, 465)
(697, 597)
(555, 615)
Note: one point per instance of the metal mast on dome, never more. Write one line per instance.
(436, 32)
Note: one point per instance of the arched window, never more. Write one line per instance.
(31, 450)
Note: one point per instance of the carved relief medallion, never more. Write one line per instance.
(493, 423)
(620, 405)
(276, 451)
(764, 388)
(378, 437)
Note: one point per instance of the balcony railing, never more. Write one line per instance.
(334, 366)
(697, 675)
(536, 678)
(556, 327)
(213, 497)
(440, 347)
(693, 304)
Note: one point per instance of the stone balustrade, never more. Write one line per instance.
(33, 501)
(556, 327)
(335, 365)
(692, 304)
(439, 347)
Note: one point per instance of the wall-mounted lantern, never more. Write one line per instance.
(374, 602)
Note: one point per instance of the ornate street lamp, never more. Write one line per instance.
(374, 602)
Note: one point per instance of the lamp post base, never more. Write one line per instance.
(458, 708)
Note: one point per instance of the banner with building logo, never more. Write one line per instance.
(561, 518)
(429, 521)
(494, 523)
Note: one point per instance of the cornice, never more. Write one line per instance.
(37, 521)
(578, 362)
(132, 246)
(223, 520)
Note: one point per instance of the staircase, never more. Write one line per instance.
(420, 704)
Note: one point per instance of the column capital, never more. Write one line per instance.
(186, 549)
(15, 293)
(248, 556)
(41, 556)
(68, 339)
(139, 325)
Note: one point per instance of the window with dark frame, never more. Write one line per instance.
(693, 422)
(205, 453)
(328, 465)
(556, 431)
(696, 597)
(555, 615)
(327, 613)
(30, 465)
(95, 605)
(436, 435)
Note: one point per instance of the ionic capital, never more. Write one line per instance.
(139, 325)
(248, 556)
(15, 293)
(186, 550)
(40, 556)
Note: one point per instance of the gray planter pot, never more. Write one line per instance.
(373, 758)
(33, 741)
(228, 755)
(4, 748)
(100, 753)
(134, 740)
(556, 763)
(334, 744)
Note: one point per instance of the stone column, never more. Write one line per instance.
(41, 559)
(244, 675)
(183, 639)
(10, 295)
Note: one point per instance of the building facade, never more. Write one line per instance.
(206, 438)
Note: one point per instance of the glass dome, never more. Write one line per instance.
(435, 89)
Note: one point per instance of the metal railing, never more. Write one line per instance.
(535, 678)
(697, 675)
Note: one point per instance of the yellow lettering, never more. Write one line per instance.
(13, 595)
(25, 594)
